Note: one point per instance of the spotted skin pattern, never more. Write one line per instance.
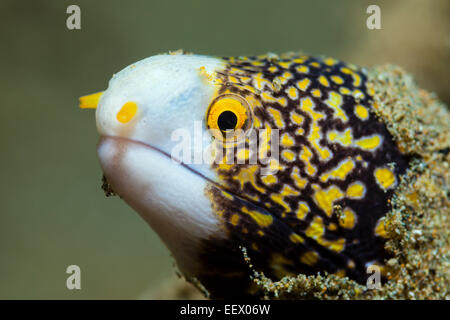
(338, 165)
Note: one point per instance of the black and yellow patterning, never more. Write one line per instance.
(323, 209)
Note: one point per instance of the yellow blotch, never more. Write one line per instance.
(380, 228)
(335, 102)
(286, 140)
(351, 264)
(314, 137)
(243, 154)
(340, 273)
(260, 233)
(285, 192)
(302, 210)
(249, 88)
(316, 93)
(288, 155)
(336, 245)
(227, 195)
(356, 79)
(369, 143)
(337, 79)
(234, 219)
(265, 137)
(316, 230)
(306, 155)
(309, 258)
(345, 138)
(127, 112)
(346, 70)
(269, 179)
(361, 112)
(300, 131)
(356, 190)
(90, 101)
(263, 220)
(233, 79)
(267, 97)
(358, 94)
(302, 69)
(282, 101)
(257, 63)
(385, 178)
(347, 219)
(278, 262)
(226, 162)
(296, 118)
(340, 172)
(286, 76)
(298, 180)
(272, 69)
(300, 60)
(325, 198)
(303, 84)
(277, 117)
(324, 81)
(292, 93)
(248, 174)
(295, 238)
(344, 90)
(330, 61)
(259, 82)
(285, 64)
(225, 166)
(315, 64)
(274, 165)
(332, 226)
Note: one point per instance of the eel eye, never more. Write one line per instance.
(228, 114)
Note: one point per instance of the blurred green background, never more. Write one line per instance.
(52, 210)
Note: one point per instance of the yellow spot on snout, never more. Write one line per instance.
(127, 112)
(90, 101)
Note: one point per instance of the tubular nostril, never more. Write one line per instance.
(127, 112)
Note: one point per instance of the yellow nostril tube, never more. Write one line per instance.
(90, 101)
(127, 112)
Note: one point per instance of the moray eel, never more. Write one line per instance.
(314, 203)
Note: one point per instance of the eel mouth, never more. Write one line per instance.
(122, 142)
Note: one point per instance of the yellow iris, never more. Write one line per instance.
(228, 113)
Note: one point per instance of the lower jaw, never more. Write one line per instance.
(168, 196)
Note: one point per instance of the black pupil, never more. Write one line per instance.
(227, 121)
